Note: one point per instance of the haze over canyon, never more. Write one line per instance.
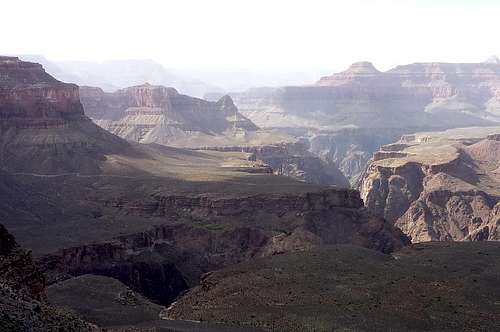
(260, 174)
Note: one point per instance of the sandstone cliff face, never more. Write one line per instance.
(411, 96)
(30, 98)
(156, 114)
(466, 90)
(43, 128)
(438, 188)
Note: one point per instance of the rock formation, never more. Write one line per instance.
(438, 186)
(43, 128)
(466, 91)
(364, 102)
(22, 294)
(293, 160)
(156, 114)
(351, 149)
(18, 270)
(154, 217)
(411, 96)
(201, 234)
(113, 306)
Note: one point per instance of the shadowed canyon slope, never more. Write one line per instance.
(425, 287)
(345, 115)
(23, 303)
(440, 185)
(154, 217)
(110, 304)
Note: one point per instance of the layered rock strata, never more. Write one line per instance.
(154, 217)
(156, 114)
(42, 124)
(438, 186)
(345, 114)
(220, 232)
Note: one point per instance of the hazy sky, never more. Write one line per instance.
(256, 33)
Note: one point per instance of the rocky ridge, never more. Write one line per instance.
(424, 287)
(438, 186)
(43, 127)
(115, 307)
(23, 294)
(156, 114)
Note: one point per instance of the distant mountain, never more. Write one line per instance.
(117, 74)
(421, 94)
(347, 115)
(493, 59)
(241, 79)
(157, 114)
(113, 75)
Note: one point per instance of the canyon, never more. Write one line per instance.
(164, 225)
(152, 217)
(156, 114)
(250, 166)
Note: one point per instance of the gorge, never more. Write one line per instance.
(154, 217)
